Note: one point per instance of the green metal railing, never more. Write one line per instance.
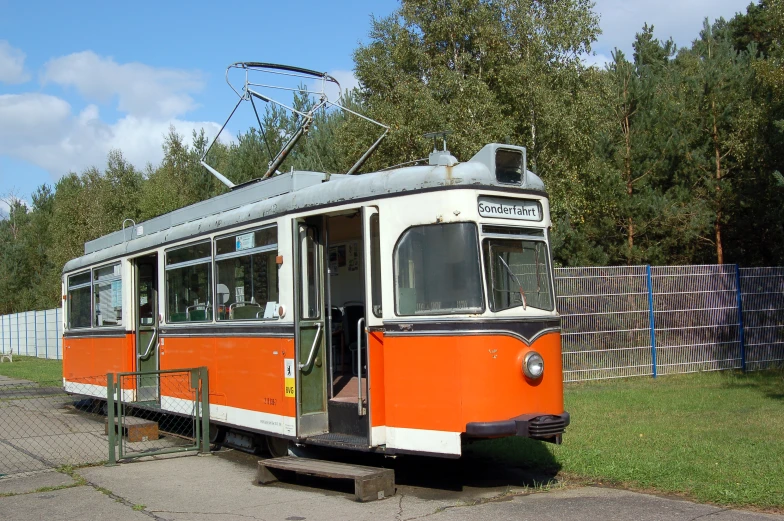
(179, 411)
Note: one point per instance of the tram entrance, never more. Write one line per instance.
(332, 284)
(146, 304)
(310, 333)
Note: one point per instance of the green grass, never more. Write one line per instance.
(712, 437)
(34, 369)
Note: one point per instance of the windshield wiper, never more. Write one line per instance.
(519, 285)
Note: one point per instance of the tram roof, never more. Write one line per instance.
(297, 191)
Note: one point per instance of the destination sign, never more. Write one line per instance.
(501, 208)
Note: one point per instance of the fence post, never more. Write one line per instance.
(35, 332)
(58, 343)
(110, 419)
(46, 338)
(740, 321)
(205, 410)
(18, 351)
(650, 319)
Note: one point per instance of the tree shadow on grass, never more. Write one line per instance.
(769, 383)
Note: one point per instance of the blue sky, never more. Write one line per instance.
(80, 78)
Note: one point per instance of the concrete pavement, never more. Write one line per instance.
(220, 487)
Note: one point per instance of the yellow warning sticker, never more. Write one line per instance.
(288, 379)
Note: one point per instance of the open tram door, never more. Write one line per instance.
(146, 311)
(310, 361)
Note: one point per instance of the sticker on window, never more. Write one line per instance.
(245, 241)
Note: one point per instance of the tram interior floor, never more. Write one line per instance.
(345, 389)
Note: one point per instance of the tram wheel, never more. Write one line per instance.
(216, 434)
(277, 447)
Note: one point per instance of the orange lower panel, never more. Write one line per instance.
(245, 373)
(89, 360)
(443, 382)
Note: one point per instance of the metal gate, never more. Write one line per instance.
(177, 420)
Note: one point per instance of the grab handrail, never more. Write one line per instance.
(306, 365)
(359, 366)
(154, 336)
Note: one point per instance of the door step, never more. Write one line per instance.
(370, 483)
(339, 440)
(134, 429)
(344, 418)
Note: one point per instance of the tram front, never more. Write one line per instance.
(474, 348)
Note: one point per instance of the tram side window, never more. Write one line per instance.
(189, 283)
(79, 300)
(247, 275)
(107, 294)
(437, 270)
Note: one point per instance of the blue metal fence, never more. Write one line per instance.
(669, 319)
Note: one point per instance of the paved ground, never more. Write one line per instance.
(42, 428)
(220, 487)
(42, 431)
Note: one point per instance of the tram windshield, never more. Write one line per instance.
(437, 270)
(518, 274)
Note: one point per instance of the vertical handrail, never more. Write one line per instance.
(359, 366)
(742, 336)
(110, 418)
(120, 411)
(650, 318)
(205, 409)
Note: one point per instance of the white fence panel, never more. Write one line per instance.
(32, 333)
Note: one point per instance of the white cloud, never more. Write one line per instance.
(12, 64)
(679, 19)
(47, 131)
(141, 90)
(43, 130)
(31, 117)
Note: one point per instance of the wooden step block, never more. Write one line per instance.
(135, 429)
(370, 483)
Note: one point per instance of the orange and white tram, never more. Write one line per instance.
(401, 311)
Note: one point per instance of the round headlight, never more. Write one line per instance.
(533, 365)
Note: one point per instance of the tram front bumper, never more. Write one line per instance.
(545, 427)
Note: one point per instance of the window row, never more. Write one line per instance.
(95, 298)
(246, 279)
(437, 271)
(246, 284)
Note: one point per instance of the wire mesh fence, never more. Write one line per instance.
(648, 320)
(763, 316)
(52, 424)
(605, 322)
(42, 426)
(696, 318)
